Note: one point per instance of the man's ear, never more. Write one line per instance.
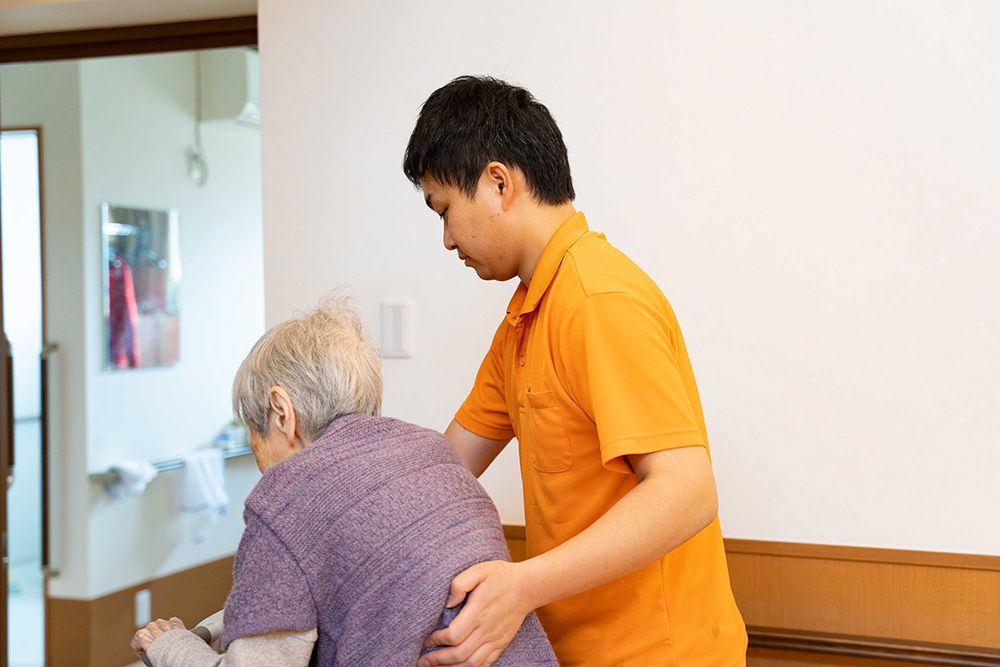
(501, 183)
(283, 413)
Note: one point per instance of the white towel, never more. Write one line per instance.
(201, 492)
(133, 476)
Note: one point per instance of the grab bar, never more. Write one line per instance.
(51, 472)
(111, 475)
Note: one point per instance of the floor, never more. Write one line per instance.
(25, 639)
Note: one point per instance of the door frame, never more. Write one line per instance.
(6, 446)
(7, 416)
(75, 45)
(129, 40)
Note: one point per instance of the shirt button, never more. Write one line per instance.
(520, 360)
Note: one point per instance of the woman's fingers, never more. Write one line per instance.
(147, 635)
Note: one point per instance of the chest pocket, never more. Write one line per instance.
(545, 433)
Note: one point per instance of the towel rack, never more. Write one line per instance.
(110, 475)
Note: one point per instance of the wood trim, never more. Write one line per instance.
(870, 593)
(768, 657)
(5, 418)
(96, 633)
(44, 393)
(129, 40)
(514, 532)
(516, 542)
(867, 647)
(864, 554)
(914, 607)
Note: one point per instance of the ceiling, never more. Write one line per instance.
(20, 17)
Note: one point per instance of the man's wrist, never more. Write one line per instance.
(534, 585)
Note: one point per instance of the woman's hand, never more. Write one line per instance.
(145, 636)
(494, 609)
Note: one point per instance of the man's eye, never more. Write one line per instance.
(443, 213)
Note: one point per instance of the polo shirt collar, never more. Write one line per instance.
(526, 298)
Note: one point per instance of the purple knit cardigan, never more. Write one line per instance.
(359, 535)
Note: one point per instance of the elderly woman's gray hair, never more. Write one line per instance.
(322, 359)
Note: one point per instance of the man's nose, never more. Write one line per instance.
(449, 243)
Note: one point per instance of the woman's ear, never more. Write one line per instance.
(283, 413)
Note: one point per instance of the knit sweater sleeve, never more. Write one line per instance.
(180, 648)
(270, 592)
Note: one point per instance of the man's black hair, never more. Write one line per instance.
(475, 120)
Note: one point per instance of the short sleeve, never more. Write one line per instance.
(270, 592)
(484, 412)
(623, 370)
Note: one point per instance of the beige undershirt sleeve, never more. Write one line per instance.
(180, 648)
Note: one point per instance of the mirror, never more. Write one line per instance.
(142, 277)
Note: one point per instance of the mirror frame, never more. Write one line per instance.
(170, 218)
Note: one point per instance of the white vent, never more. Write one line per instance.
(230, 86)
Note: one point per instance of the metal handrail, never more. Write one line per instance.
(111, 475)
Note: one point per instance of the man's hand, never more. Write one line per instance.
(145, 636)
(492, 615)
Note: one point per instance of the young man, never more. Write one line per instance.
(589, 371)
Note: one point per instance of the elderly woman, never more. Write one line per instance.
(356, 528)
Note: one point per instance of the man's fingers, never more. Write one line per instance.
(485, 656)
(454, 634)
(445, 657)
(478, 634)
(462, 656)
(462, 584)
(450, 656)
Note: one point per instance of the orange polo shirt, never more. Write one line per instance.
(587, 367)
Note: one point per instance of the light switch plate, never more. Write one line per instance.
(398, 328)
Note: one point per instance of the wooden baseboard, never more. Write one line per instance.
(96, 633)
(920, 597)
(516, 542)
(848, 648)
(810, 604)
(768, 657)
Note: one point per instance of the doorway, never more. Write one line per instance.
(20, 190)
(37, 600)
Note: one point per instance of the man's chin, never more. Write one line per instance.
(485, 273)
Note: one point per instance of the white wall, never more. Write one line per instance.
(138, 119)
(812, 184)
(134, 121)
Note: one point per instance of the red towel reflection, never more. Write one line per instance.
(123, 320)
